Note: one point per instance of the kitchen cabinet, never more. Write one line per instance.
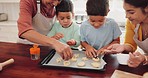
(8, 31)
(9, 1)
(11, 8)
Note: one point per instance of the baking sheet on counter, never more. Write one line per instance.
(50, 60)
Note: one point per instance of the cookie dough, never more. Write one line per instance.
(95, 64)
(81, 64)
(73, 59)
(76, 55)
(66, 63)
(58, 60)
(84, 58)
(96, 59)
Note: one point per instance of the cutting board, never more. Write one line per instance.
(123, 74)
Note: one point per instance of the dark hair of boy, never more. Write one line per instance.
(64, 6)
(97, 7)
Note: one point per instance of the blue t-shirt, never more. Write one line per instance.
(102, 36)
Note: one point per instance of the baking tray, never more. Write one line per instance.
(50, 61)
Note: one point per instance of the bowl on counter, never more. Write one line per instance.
(122, 58)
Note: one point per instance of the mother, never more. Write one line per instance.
(36, 20)
(136, 32)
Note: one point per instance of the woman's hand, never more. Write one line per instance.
(90, 51)
(64, 50)
(135, 59)
(71, 42)
(58, 36)
(100, 52)
(114, 48)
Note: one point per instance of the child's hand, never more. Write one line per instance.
(58, 36)
(71, 42)
(90, 52)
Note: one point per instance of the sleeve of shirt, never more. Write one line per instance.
(129, 35)
(116, 30)
(82, 34)
(53, 31)
(27, 9)
(77, 35)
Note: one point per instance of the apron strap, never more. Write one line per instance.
(136, 30)
(38, 5)
(38, 1)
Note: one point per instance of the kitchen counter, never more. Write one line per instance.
(24, 67)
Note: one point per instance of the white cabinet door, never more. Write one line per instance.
(8, 33)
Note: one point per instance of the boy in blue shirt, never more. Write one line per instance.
(65, 30)
(98, 32)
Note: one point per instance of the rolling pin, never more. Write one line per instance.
(6, 63)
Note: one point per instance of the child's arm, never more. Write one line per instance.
(115, 41)
(117, 32)
(71, 42)
(58, 36)
(54, 33)
(90, 51)
(76, 36)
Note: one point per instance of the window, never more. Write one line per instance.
(116, 11)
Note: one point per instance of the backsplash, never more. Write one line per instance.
(12, 9)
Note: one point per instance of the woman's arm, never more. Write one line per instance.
(28, 9)
(115, 41)
(63, 49)
(26, 30)
(129, 43)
